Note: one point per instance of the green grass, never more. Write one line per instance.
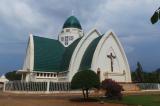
(144, 100)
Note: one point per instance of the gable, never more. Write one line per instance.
(107, 45)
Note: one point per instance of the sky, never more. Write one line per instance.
(129, 19)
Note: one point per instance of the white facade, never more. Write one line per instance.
(109, 43)
(69, 35)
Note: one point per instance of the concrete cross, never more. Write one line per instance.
(111, 57)
(72, 12)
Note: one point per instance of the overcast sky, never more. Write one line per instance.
(130, 19)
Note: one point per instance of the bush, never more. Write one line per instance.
(11, 76)
(113, 89)
(85, 80)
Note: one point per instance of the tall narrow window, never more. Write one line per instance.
(70, 37)
(67, 30)
(62, 38)
(66, 42)
(54, 75)
(51, 74)
(48, 74)
(66, 38)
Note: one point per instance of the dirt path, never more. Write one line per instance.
(45, 100)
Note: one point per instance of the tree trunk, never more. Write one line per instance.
(87, 93)
(84, 96)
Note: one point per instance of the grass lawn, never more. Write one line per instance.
(144, 100)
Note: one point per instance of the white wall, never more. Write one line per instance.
(110, 43)
(75, 33)
(29, 59)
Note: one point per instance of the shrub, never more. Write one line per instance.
(85, 80)
(12, 76)
(113, 89)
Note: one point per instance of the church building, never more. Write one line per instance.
(58, 60)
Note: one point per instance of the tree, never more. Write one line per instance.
(85, 80)
(148, 77)
(134, 76)
(156, 16)
(139, 72)
(158, 74)
(113, 89)
(13, 76)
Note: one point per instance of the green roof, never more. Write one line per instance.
(47, 54)
(88, 55)
(68, 54)
(72, 22)
(51, 56)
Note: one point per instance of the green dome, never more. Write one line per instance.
(72, 22)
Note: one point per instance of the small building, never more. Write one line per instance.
(3, 79)
(58, 60)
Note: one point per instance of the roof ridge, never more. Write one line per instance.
(44, 37)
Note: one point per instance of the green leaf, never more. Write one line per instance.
(159, 14)
(154, 18)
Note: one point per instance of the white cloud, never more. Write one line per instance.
(23, 18)
(19, 13)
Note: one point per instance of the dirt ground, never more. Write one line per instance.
(7, 99)
(59, 99)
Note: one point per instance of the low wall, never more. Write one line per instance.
(140, 86)
(130, 87)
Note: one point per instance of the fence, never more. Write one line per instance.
(36, 86)
(50, 87)
(1, 86)
(149, 86)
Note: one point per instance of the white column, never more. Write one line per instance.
(48, 84)
(158, 85)
(22, 77)
(4, 86)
